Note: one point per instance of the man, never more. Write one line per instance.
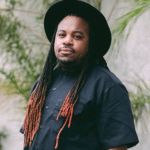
(79, 104)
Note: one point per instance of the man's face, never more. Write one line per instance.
(71, 40)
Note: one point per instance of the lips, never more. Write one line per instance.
(66, 50)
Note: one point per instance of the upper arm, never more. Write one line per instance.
(115, 124)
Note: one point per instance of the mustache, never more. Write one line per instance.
(66, 47)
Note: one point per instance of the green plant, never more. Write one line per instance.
(17, 50)
(140, 100)
(137, 8)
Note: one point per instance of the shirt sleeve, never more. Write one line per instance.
(115, 124)
(32, 88)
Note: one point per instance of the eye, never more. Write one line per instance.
(77, 37)
(61, 34)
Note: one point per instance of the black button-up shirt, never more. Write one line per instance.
(102, 117)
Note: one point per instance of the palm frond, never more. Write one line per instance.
(140, 100)
(98, 4)
(129, 19)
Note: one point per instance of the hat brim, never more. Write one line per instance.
(100, 29)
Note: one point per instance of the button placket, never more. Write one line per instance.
(57, 105)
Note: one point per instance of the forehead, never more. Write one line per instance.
(73, 23)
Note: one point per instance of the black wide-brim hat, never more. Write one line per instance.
(101, 34)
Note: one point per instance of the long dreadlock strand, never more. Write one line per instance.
(72, 97)
(37, 98)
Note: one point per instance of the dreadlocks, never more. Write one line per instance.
(37, 98)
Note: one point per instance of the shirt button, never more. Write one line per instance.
(54, 88)
(46, 107)
(36, 147)
(41, 127)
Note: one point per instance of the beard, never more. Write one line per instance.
(67, 62)
(74, 65)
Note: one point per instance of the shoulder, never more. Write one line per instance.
(34, 85)
(102, 82)
(103, 76)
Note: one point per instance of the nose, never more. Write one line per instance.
(68, 40)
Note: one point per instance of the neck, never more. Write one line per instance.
(71, 67)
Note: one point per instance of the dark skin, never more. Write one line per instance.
(71, 46)
(71, 42)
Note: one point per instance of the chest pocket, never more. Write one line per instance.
(78, 109)
(77, 123)
(81, 120)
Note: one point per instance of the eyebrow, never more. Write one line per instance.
(61, 30)
(76, 31)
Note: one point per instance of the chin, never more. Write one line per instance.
(66, 61)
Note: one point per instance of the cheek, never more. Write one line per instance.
(56, 46)
(84, 48)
